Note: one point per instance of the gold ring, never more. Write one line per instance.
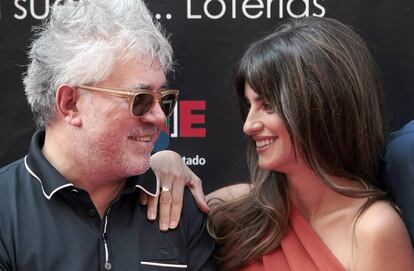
(165, 189)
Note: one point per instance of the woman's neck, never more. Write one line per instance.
(312, 196)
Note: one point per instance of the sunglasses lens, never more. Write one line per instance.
(142, 104)
(167, 103)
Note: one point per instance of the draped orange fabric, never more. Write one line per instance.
(301, 250)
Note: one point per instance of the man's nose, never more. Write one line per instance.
(156, 116)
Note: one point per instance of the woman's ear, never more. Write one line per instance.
(67, 98)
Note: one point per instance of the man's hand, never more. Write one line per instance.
(173, 175)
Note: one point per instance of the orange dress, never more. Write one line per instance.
(300, 250)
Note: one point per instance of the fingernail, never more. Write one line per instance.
(173, 224)
(164, 227)
(151, 216)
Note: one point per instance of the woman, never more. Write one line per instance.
(310, 96)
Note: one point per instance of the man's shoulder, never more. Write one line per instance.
(200, 244)
(403, 134)
(401, 144)
(13, 180)
(191, 216)
(11, 170)
(189, 204)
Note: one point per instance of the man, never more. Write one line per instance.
(96, 85)
(399, 171)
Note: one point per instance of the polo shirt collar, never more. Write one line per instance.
(52, 181)
(147, 182)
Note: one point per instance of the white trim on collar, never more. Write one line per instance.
(41, 184)
(69, 184)
(184, 266)
(157, 191)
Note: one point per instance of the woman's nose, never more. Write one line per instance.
(252, 124)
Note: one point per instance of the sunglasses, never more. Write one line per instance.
(141, 101)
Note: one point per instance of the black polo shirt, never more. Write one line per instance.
(46, 223)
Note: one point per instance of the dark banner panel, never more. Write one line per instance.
(208, 37)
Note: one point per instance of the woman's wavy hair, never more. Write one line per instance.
(323, 82)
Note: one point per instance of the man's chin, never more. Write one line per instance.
(139, 167)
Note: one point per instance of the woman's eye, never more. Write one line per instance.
(268, 107)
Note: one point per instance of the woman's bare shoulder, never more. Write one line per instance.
(381, 240)
(229, 193)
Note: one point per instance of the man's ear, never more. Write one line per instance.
(67, 98)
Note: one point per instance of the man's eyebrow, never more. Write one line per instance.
(141, 86)
(146, 86)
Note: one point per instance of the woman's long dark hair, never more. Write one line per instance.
(323, 82)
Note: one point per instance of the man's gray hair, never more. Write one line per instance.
(82, 41)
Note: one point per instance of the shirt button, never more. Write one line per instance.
(108, 266)
(92, 212)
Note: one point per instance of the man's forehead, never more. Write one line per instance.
(137, 73)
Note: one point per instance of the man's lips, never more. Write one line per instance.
(141, 138)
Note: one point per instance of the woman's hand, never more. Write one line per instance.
(173, 175)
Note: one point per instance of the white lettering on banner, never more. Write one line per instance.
(253, 9)
(305, 12)
(194, 161)
(24, 11)
(209, 9)
(321, 8)
(218, 16)
(19, 4)
(189, 15)
(246, 6)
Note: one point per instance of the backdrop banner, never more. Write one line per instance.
(208, 37)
